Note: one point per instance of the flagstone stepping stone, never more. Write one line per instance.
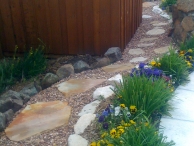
(104, 92)
(76, 86)
(148, 39)
(138, 59)
(160, 24)
(136, 51)
(83, 122)
(116, 80)
(77, 140)
(89, 108)
(154, 22)
(148, 4)
(145, 45)
(118, 67)
(38, 117)
(155, 31)
(146, 16)
(162, 50)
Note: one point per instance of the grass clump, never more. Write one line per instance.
(174, 65)
(16, 69)
(144, 93)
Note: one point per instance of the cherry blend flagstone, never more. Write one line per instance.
(38, 117)
(76, 86)
(118, 67)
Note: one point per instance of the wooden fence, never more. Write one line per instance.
(68, 26)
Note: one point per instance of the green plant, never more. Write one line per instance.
(173, 64)
(166, 3)
(188, 44)
(144, 93)
(140, 135)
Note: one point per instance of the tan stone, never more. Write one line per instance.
(154, 22)
(160, 24)
(145, 45)
(36, 118)
(136, 51)
(179, 33)
(148, 4)
(162, 50)
(118, 67)
(76, 86)
(188, 23)
(156, 31)
(148, 39)
(185, 5)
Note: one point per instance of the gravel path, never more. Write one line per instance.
(59, 136)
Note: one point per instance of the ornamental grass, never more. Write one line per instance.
(147, 94)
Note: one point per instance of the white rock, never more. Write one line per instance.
(146, 16)
(116, 80)
(165, 15)
(77, 140)
(105, 92)
(89, 108)
(83, 122)
(157, 10)
(117, 110)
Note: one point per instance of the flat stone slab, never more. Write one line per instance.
(38, 117)
(76, 86)
(181, 132)
(155, 31)
(138, 59)
(154, 22)
(77, 140)
(145, 45)
(148, 39)
(136, 51)
(160, 24)
(146, 16)
(162, 50)
(103, 92)
(148, 4)
(118, 67)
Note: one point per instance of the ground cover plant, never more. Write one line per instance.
(166, 3)
(20, 68)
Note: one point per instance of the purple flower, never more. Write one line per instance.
(105, 113)
(157, 72)
(105, 126)
(101, 118)
(141, 65)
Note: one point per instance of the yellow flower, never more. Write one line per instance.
(158, 64)
(93, 144)
(137, 129)
(153, 63)
(182, 52)
(172, 89)
(146, 124)
(189, 64)
(127, 124)
(132, 122)
(190, 50)
(98, 143)
(133, 109)
(122, 105)
(110, 144)
(113, 132)
(104, 134)
(120, 127)
(120, 96)
(121, 131)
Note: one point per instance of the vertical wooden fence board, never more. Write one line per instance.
(2, 36)
(42, 26)
(55, 27)
(115, 25)
(63, 23)
(88, 26)
(122, 24)
(30, 23)
(72, 26)
(7, 25)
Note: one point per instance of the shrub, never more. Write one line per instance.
(166, 3)
(188, 44)
(174, 65)
(144, 93)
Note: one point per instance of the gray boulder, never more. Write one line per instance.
(65, 71)
(2, 122)
(48, 80)
(16, 104)
(14, 95)
(9, 115)
(29, 90)
(114, 54)
(80, 66)
(5, 104)
(102, 62)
